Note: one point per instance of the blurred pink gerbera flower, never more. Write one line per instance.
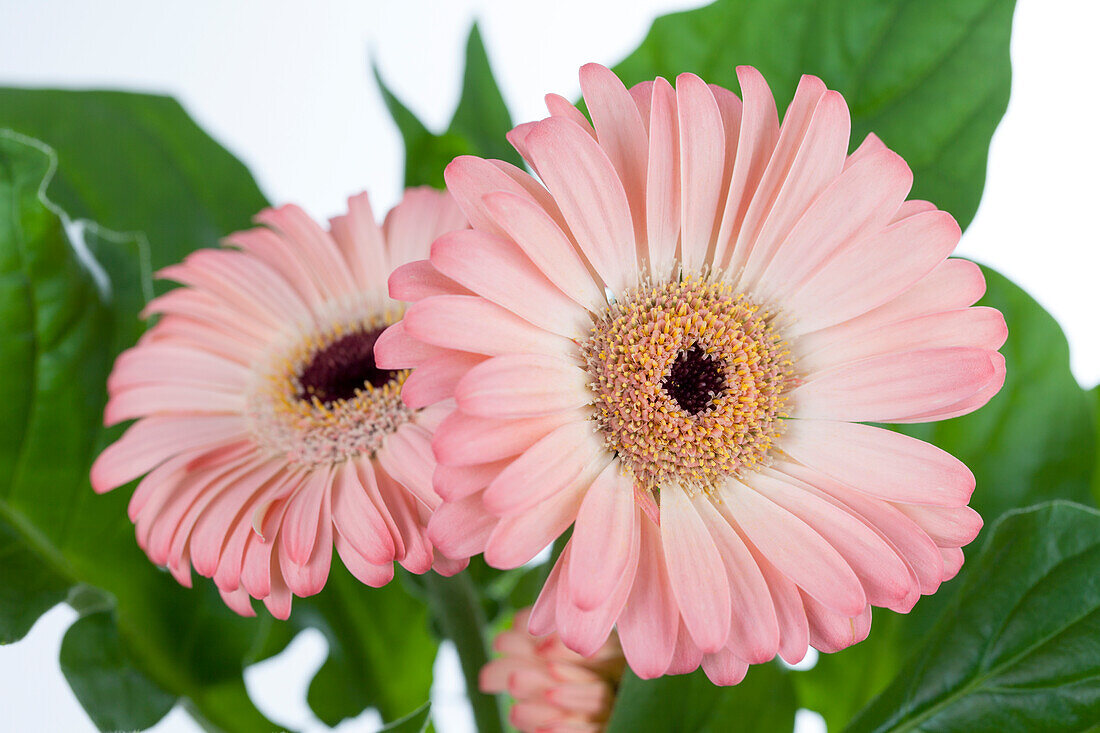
(670, 343)
(265, 428)
(555, 689)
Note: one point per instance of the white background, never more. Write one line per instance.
(285, 86)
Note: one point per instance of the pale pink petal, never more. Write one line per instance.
(967, 405)
(687, 657)
(407, 456)
(894, 386)
(663, 180)
(365, 572)
(831, 631)
(586, 631)
(559, 106)
(872, 271)
(395, 349)
(980, 327)
(546, 245)
(592, 200)
(421, 279)
(794, 548)
(316, 248)
(550, 465)
(754, 628)
(361, 243)
(169, 363)
(499, 271)
(884, 575)
(299, 529)
(755, 143)
(952, 562)
(696, 571)
(947, 526)
(181, 399)
(463, 440)
(469, 179)
(622, 135)
(522, 385)
(602, 537)
(151, 441)
(880, 462)
(455, 482)
(436, 378)
(859, 202)
(469, 323)
(358, 519)
(423, 215)
(461, 528)
(651, 619)
(724, 667)
(702, 159)
(794, 629)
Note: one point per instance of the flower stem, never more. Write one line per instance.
(454, 603)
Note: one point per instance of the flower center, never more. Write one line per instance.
(320, 398)
(343, 368)
(689, 380)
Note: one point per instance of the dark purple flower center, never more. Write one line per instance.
(695, 380)
(343, 367)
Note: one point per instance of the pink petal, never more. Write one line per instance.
(622, 135)
(468, 323)
(357, 518)
(724, 667)
(952, 562)
(436, 378)
(602, 537)
(149, 399)
(365, 572)
(968, 404)
(586, 631)
(546, 245)
(461, 529)
(702, 161)
(395, 349)
(455, 482)
(872, 271)
(859, 202)
(423, 215)
(696, 571)
(947, 526)
(650, 620)
(687, 656)
(406, 455)
(303, 512)
(463, 440)
(550, 465)
(421, 279)
(469, 179)
(642, 94)
(500, 272)
(755, 143)
(663, 180)
(151, 441)
(884, 575)
(543, 618)
(831, 631)
(981, 327)
(591, 196)
(169, 363)
(880, 462)
(410, 522)
(754, 627)
(794, 548)
(894, 386)
(318, 249)
(559, 106)
(794, 629)
(361, 243)
(523, 385)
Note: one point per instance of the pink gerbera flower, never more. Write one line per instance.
(266, 431)
(672, 343)
(555, 689)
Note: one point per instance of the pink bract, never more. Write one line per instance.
(671, 343)
(265, 431)
(555, 689)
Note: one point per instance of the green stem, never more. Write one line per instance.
(454, 603)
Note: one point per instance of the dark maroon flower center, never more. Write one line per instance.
(695, 380)
(338, 370)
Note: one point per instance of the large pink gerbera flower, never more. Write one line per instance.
(671, 344)
(266, 430)
(555, 689)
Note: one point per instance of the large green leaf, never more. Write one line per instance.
(478, 127)
(68, 301)
(930, 77)
(1034, 441)
(136, 162)
(1019, 648)
(762, 703)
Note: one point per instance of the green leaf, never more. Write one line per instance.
(930, 78)
(69, 294)
(137, 162)
(764, 701)
(115, 694)
(415, 722)
(380, 649)
(478, 127)
(1033, 442)
(1017, 649)
(29, 588)
(1095, 395)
